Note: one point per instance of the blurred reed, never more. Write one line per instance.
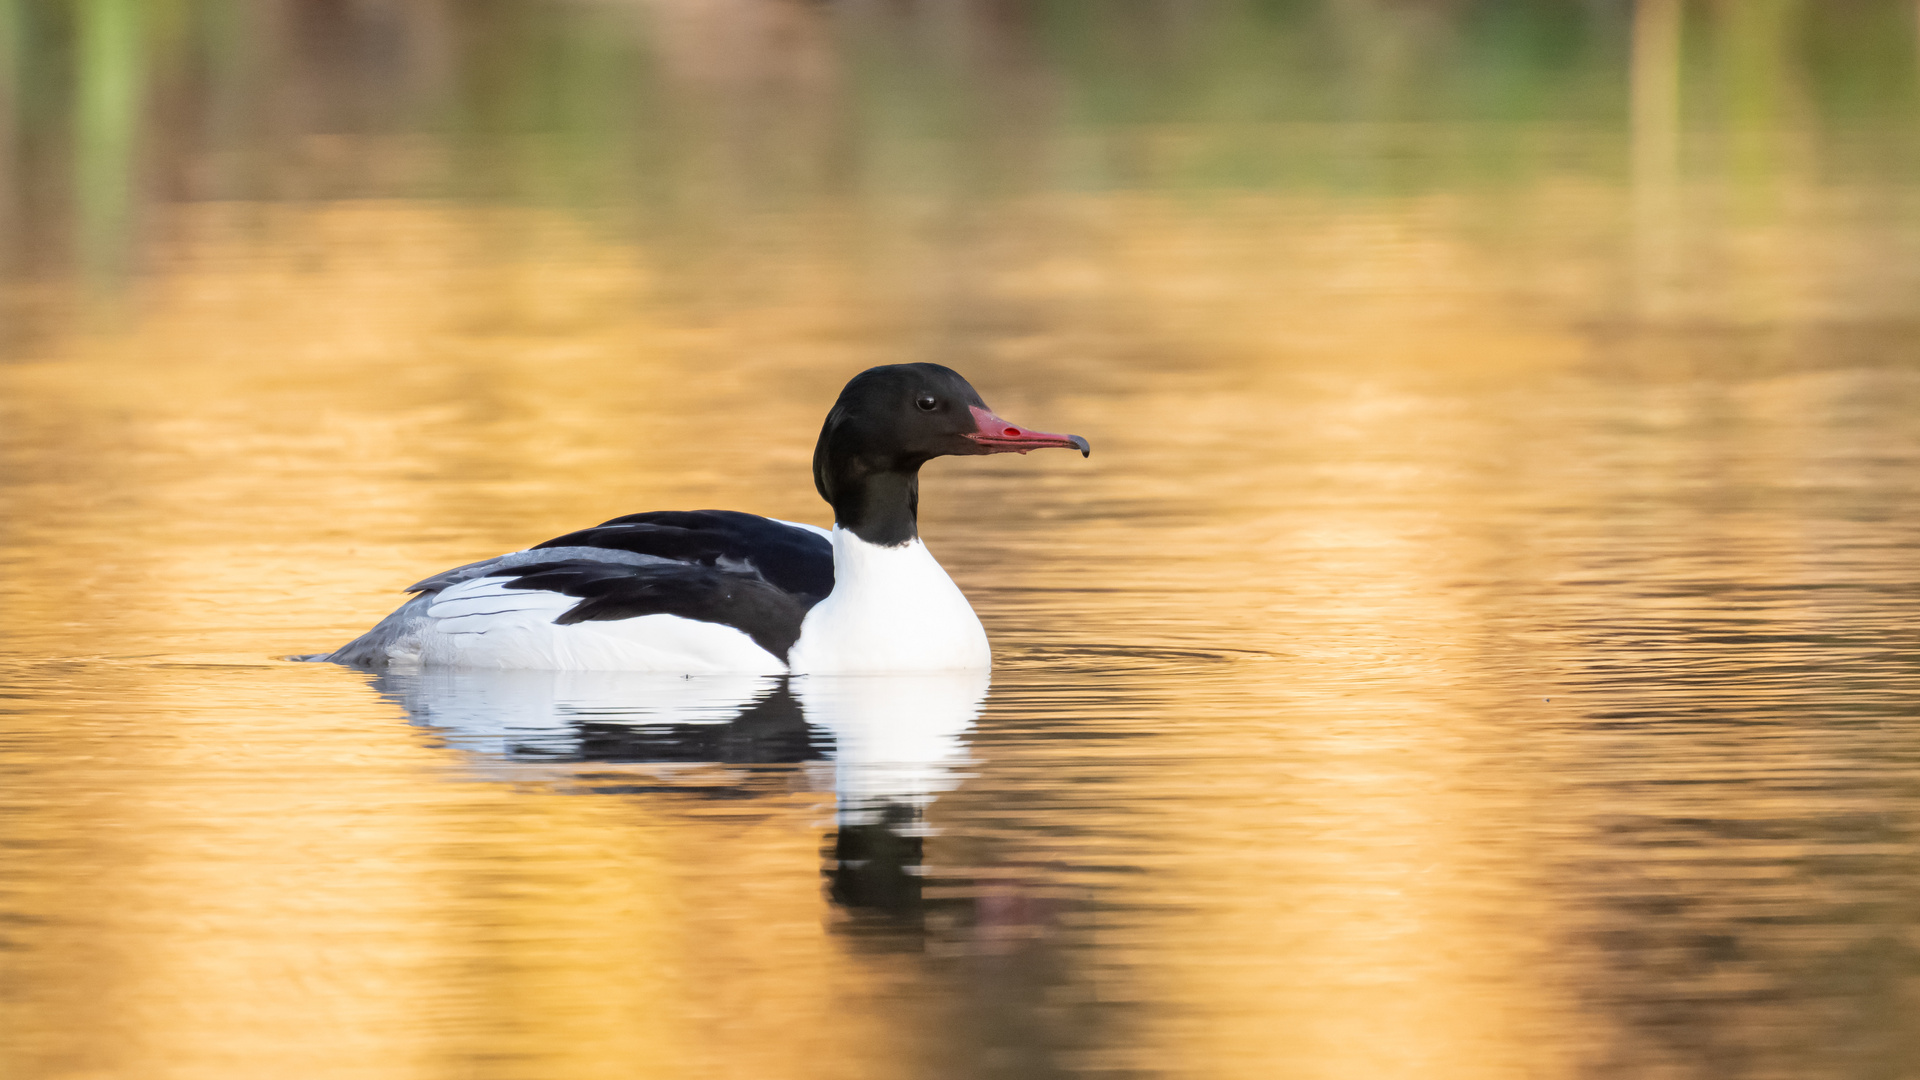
(679, 119)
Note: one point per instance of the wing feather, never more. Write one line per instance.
(797, 559)
(755, 575)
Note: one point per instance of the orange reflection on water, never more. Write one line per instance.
(310, 413)
(1480, 645)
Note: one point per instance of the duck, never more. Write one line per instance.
(702, 592)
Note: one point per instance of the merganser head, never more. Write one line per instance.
(891, 420)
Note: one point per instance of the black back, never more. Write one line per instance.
(793, 560)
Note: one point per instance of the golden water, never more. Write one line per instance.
(1482, 643)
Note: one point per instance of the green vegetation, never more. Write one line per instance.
(654, 112)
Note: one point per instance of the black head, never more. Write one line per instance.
(891, 420)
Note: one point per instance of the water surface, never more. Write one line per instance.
(1482, 644)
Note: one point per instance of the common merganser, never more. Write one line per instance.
(707, 591)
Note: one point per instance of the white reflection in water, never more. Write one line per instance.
(557, 714)
(898, 739)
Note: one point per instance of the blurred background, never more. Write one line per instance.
(1743, 163)
(1481, 645)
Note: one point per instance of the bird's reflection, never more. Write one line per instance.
(895, 743)
(609, 716)
(899, 741)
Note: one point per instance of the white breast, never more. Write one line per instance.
(893, 609)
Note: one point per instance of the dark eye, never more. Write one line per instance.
(927, 402)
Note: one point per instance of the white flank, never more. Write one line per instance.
(893, 609)
(483, 624)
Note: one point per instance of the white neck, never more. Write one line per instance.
(892, 609)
